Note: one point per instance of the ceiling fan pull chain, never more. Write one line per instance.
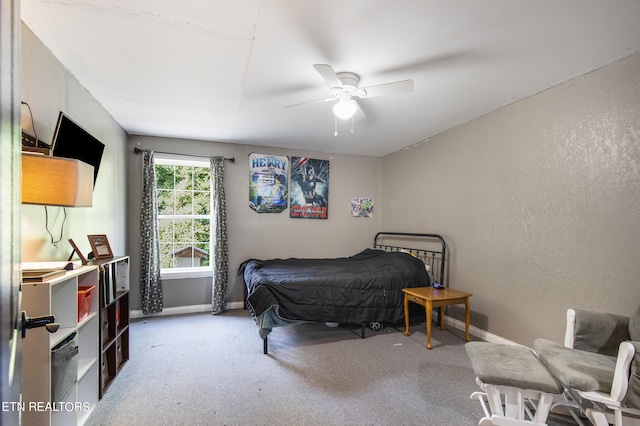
(351, 125)
(335, 132)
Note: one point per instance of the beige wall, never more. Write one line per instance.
(48, 87)
(262, 235)
(539, 203)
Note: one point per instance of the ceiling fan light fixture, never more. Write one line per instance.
(345, 109)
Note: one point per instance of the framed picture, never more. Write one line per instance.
(77, 251)
(100, 246)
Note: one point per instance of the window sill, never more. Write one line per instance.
(179, 275)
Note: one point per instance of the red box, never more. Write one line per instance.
(84, 301)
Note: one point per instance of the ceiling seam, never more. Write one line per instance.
(246, 65)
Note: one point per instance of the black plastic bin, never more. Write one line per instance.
(64, 367)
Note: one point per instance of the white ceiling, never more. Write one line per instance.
(224, 70)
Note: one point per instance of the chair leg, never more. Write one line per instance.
(509, 406)
(601, 417)
(598, 418)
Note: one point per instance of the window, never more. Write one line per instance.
(183, 191)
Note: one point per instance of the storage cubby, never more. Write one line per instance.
(114, 318)
(59, 297)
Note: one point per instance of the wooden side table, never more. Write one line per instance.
(431, 298)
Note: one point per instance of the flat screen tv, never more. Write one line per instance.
(72, 141)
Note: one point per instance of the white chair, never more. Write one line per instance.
(598, 366)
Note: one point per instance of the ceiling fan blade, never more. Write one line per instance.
(359, 115)
(329, 75)
(311, 102)
(387, 89)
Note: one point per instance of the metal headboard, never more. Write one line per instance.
(430, 248)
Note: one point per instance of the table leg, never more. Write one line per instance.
(428, 310)
(467, 318)
(441, 316)
(406, 314)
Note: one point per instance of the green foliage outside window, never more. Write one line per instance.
(184, 214)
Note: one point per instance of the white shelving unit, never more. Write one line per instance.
(59, 297)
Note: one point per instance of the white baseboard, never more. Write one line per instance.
(481, 334)
(182, 310)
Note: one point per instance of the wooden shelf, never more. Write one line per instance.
(114, 319)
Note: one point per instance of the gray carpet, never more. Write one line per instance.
(210, 370)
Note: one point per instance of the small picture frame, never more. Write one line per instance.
(100, 246)
(77, 251)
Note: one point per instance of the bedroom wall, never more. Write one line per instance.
(539, 203)
(48, 87)
(260, 235)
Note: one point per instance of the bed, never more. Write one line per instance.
(365, 288)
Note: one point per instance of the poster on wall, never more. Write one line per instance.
(268, 183)
(362, 207)
(309, 188)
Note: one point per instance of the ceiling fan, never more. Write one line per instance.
(344, 87)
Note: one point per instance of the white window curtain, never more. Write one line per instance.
(219, 234)
(150, 285)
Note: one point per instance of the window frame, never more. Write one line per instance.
(162, 159)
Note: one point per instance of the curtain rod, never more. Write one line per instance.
(138, 151)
